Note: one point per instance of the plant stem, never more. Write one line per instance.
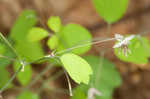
(11, 59)
(7, 42)
(58, 74)
(69, 84)
(100, 67)
(10, 80)
(83, 45)
(40, 75)
(19, 69)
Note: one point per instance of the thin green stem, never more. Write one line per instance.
(39, 76)
(83, 45)
(99, 68)
(11, 59)
(11, 47)
(58, 74)
(10, 80)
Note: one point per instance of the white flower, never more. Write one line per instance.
(92, 92)
(123, 43)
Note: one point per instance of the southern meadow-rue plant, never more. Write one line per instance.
(96, 76)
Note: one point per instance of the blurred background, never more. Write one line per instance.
(136, 78)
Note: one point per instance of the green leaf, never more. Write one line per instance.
(37, 34)
(140, 51)
(54, 23)
(23, 24)
(2, 49)
(108, 74)
(78, 69)
(23, 77)
(4, 77)
(111, 10)
(53, 42)
(75, 35)
(27, 50)
(28, 95)
(79, 92)
(105, 76)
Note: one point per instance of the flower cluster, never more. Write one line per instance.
(123, 43)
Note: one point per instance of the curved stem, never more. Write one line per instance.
(69, 84)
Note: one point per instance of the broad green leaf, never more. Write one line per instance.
(105, 76)
(26, 49)
(23, 77)
(29, 51)
(75, 35)
(53, 42)
(78, 69)
(111, 10)
(140, 51)
(54, 23)
(37, 34)
(28, 95)
(4, 77)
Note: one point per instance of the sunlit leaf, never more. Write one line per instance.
(75, 35)
(37, 34)
(54, 23)
(52, 42)
(111, 10)
(78, 69)
(23, 77)
(28, 95)
(140, 51)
